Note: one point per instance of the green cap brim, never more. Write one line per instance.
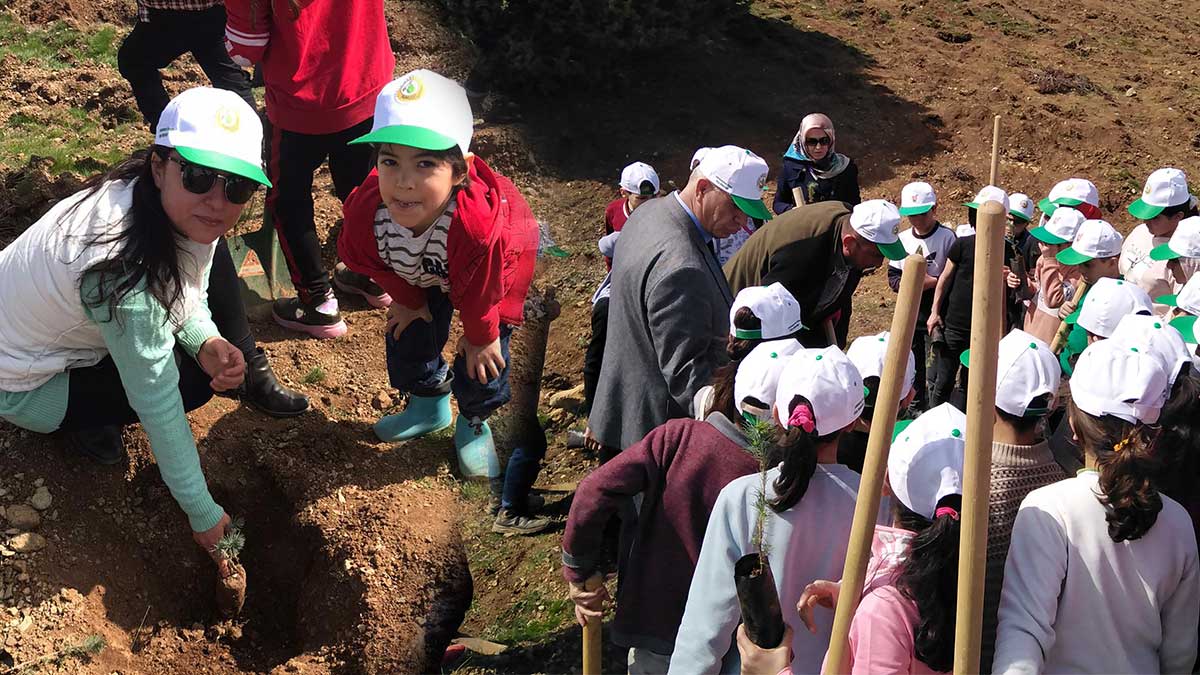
(1186, 325)
(220, 162)
(1143, 211)
(401, 134)
(899, 428)
(1164, 252)
(916, 210)
(1169, 300)
(893, 251)
(1045, 236)
(755, 208)
(971, 205)
(1046, 206)
(1020, 216)
(965, 358)
(1069, 256)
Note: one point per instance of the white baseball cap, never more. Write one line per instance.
(1095, 239)
(758, 374)
(1156, 338)
(917, 198)
(1020, 206)
(868, 353)
(925, 463)
(1164, 187)
(423, 110)
(742, 174)
(214, 128)
(878, 221)
(964, 230)
(696, 157)
(1070, 192)
(1125, 382)
(1026, 368)
(989, 193)
(635, 176)
(1110, 300)
(829, 381)
(1184, 243)
(1060, 228)
(1188, 298)
(775, 308)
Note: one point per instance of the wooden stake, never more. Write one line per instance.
(866, 509)
(994, 175)
(1064, 329)
(798, 196)
(591, 635)
(830, 332)
(987, 314)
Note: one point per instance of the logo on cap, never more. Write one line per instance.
(410, 89)
(762, 182)
(895, 229)
(228, 119)
(1147, 190)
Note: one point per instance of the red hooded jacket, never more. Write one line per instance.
(491, 250)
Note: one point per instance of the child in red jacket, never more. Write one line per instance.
(323, 62)
(440, 231)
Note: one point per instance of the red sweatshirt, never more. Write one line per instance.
(491, 250)
(323, 68)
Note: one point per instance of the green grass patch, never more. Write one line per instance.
(531, 618)
(59, 46)
(74, 138)
(1007, 24)
(314, 376)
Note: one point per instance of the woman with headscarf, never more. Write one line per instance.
(815, 168)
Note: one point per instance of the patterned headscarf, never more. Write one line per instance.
(833, 163)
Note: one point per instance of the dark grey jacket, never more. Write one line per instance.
(668, 322)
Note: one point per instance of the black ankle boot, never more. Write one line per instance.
(102, 445)
(261, 390)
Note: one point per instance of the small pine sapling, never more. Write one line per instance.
(231, 589)
(233, 542)
(761, 435)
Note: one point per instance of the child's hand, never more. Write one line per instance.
(399, 316)
(1067, 309)
(483, 363)
(760, 660)
(819, 592)
(1011, 278)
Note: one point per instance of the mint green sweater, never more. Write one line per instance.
(142, 346)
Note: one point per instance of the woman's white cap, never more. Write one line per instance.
(925, 463)
(758, 374)
(831, 384)
(214, 128)
(1125, 382)
(868, 353)
(1110, 300)
(1157, 338)
(422, 109)
(775, 307)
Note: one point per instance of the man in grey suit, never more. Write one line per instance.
(668, 317)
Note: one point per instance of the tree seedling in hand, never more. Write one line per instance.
(231, 590)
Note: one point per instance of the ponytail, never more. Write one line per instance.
(797, 451)
(929, 578)
(1129, 468)
(738, 348)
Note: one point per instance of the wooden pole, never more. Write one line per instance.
(830, 333)
(591, 635)
(798, 196)
(866, 509)
(1064, 329)
(994, 175)
(987, 314)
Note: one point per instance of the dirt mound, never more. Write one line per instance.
(27, 193)
(82, 11)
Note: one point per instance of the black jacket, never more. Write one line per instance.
(794, 173)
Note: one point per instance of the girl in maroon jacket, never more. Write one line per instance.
(440, 231)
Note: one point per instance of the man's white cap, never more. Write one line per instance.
(1126, 382)
(697, 157)
(868, 352)
(758, 374)
(423, 110)
(1020, 206)
(989, 193)
(1026, 368)
(775, 308)
(1110, 300)
(1184, 243)
(925, 463)
(878, 221)
(1070, 192)
(917, 198)
(829, 381)
(635, 177)
(1095, 239)
(1060, 227)
(742, 174)
(1164, 187)
(1157, 338)
(214, 128)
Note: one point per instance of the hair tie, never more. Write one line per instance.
(802, 417)
(1121, 445)
(945, 511)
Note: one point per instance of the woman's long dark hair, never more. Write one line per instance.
(796, 449)
(929, 578)
(1129, 468)
(147, 249)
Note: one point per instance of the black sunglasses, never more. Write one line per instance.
(816, 142)
(199, 180)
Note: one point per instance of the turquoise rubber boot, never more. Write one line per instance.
(476, 449)
(423, 415)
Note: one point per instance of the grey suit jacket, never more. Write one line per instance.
(668, 322)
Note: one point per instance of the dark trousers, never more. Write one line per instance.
(921, 382)
(948, 370)
(593, 358)
(154, 44)
(292, 160)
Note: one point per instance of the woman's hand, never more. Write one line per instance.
(819, 592)
(483, 363)
(399, 316)
(588, 604)
(223, 362)
(759, 661)
(208, 541)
